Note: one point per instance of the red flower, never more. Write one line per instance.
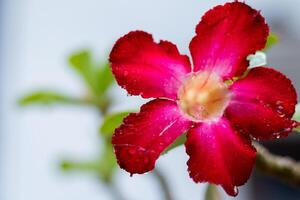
(220, 119)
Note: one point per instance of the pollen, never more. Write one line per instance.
(203, 97)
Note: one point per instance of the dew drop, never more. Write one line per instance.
(287, 130)
(295, 124)
(255, 138)
(280, 107)
(161, 146)
(131, 151)
(116, 150)
(236, 190)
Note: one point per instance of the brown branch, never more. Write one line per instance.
(284, 168)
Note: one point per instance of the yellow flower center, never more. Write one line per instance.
(203, 97)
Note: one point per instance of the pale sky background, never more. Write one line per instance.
(36, 37)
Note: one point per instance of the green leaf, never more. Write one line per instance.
(272, 40)
(297, 117)
(97, 77)
(108, 163)
(104, 167)
(104, 79)
(81, 62)
(69, 165)
(297, 113)
(111, 122)
(212, 193)
(178, 142)
(47, 98)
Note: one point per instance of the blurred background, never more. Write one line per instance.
(36, 37)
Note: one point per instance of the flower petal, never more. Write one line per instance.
(226, 35)
(142, 137)
(263, 104)
(219, 155)
(146, 68)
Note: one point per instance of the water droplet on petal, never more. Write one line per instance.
(295, 124)
(131, 151)
(236, 190)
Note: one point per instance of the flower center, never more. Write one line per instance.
(204, 97)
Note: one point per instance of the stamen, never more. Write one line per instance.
(204, 97)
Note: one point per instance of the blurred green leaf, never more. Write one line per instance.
(297, 113)
(104, 79)
(297, 117)
(272, 40)
(111, 122)
(81, 61)
(108, 163)
(212, 193)
(178, 142)
(104, 167)
(97, 77)
(69, 165)
(48, 98)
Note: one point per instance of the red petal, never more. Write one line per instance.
(262, 104)
(146, 68)
(226, 35)
(141, 138)
(219, 155)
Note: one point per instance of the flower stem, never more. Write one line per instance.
(212, 192)
(284, 168)
(163, 184)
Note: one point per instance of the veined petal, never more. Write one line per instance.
(146, 68)
(143, 136)
(263, 104)
(219, 155)
(226, 35)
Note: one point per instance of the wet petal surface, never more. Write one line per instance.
(226, 35)
(219, 155)
(143, 136)
(263, 104)
(146, 68)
